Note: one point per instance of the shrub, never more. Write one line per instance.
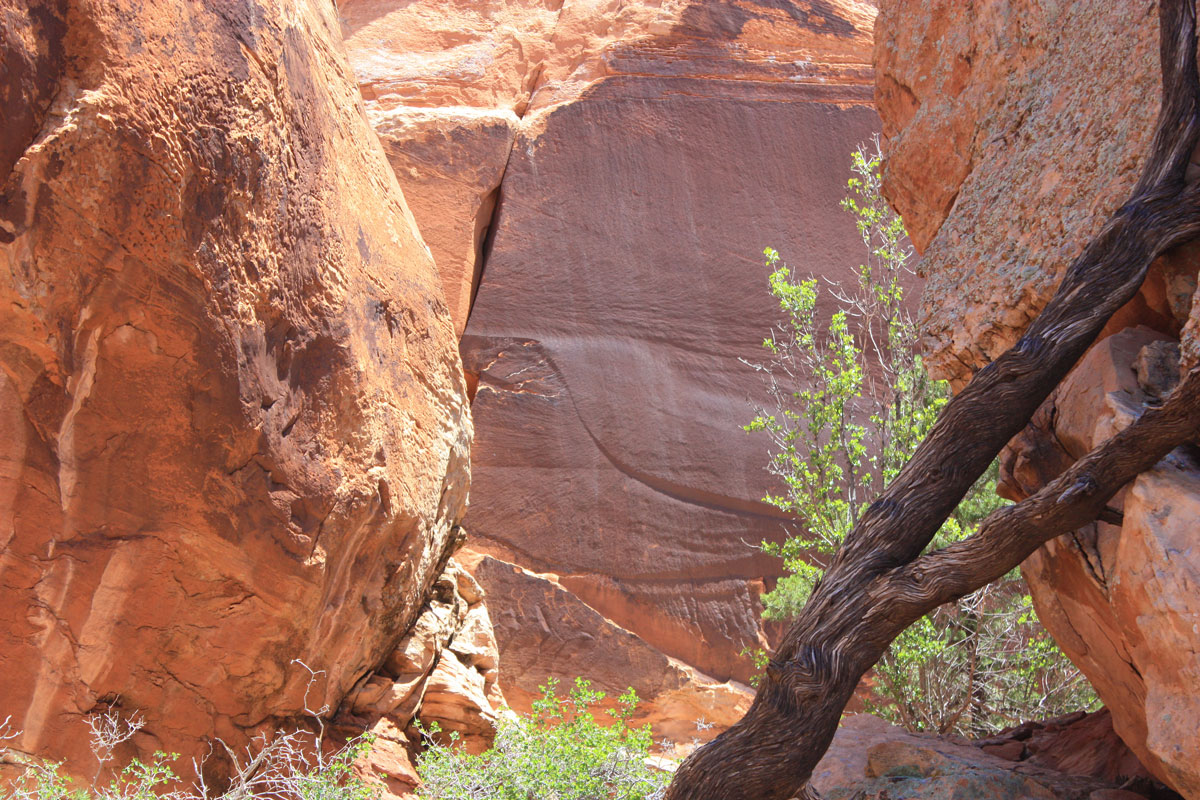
(290, 766)
(558, 752)
(850, 399)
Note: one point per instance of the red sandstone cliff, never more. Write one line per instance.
(233, 423)
(1014, 129)
(602, 176)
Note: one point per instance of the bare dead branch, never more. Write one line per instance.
(109, 730)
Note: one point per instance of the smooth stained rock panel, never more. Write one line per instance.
(447, 84)
(622, 289)
(601, 178)
(233, 425)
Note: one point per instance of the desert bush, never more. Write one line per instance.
(288, 766)
(850, 399)
(558, 752)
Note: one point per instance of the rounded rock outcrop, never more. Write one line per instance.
(234, 429)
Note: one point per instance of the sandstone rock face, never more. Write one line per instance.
(1015, 129)
(1009, 145)
(872, 760)
(233, 423)
(449, 84)
(639, 156)
(1123, 600)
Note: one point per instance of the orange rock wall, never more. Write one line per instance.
(1009, 144)
(444, 670)
(233, 424)
(1014, 129)
(603, 176)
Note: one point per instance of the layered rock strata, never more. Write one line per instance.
(233, 424)
(1015, 129)
(603, 177)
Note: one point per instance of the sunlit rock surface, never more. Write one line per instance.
(233, 425)
(1015, 129)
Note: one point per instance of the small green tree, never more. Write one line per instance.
(559, 752)
(850, 399)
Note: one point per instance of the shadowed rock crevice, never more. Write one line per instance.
(33, 50)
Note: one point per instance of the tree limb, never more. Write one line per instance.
(878, 579)
(1010, 535)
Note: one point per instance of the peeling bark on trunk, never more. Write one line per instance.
(879, 582)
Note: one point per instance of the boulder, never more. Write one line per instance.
(991, 106)
(233, 423)
(1096, 590)
(455, 698)
(872, 760)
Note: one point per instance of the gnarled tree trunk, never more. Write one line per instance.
(879, 582)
